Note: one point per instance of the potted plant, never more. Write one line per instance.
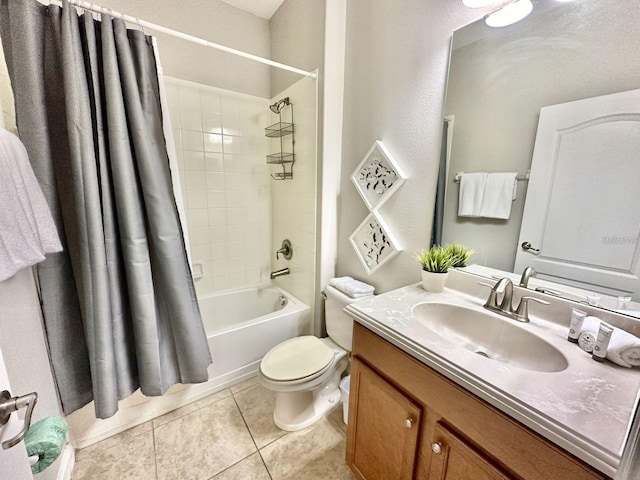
(460, 254)
(435, 262)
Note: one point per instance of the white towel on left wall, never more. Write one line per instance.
(27, 230)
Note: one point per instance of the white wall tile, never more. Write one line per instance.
(191, 120)
(215, 180)
(189, 98)
(193, 160)
(211, 122)
(221, 151)
(213, 142)
(214, 162)
(192, 140)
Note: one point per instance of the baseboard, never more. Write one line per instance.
(85, 429)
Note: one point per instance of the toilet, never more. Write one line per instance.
(305, 371)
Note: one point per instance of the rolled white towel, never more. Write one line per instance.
(352, 287)
(624, 349)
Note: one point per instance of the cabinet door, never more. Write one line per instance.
(383, 428)
(453, 459)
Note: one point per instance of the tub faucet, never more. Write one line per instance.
(526, 275)
(279, 273)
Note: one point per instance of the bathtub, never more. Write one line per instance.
(243, 325)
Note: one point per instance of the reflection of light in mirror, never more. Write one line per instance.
(512, 13)
(477, 3)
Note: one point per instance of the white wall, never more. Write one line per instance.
(294, 201)
(498, 86)
(22, 337)
(226, 186)
(396, 65)
(211, 20)
(297, 38)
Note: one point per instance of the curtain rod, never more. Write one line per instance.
(190, 38)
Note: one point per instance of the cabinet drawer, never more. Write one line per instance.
(383, 428)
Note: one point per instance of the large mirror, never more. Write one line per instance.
(506, 89)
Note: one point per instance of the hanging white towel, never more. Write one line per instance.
(471, 193)
(499, 194)
(27, 230)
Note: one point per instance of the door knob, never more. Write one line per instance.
(527, 246)
(8, 405)
(436, 447)
(408, 422)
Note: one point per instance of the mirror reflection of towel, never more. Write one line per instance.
(499, 193)
(28, 231)
(472, 186)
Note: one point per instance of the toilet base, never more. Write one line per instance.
(297, 410)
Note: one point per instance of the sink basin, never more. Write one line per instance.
(490, 336)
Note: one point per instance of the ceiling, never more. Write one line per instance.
(261, 8)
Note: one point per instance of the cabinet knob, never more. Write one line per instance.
(408, 422)
(436, 447)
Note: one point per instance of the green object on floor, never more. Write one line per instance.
(46, 439)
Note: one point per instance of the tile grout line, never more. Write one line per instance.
(155, 453)
(251, 434)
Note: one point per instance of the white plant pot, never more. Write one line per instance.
(434, 282)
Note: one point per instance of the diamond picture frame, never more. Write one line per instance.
(374, 243)
(377, 176)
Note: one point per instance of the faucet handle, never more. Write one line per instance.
(522, 312)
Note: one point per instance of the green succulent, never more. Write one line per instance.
(435, 259)
(459, 253)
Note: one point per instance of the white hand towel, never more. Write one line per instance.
(624, 349)
(499, 194)
(27, 230)
(471, 192)
(352, 287)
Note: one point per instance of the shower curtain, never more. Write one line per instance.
(438, 208)
(119, 304)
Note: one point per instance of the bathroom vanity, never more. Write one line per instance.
(424, 404)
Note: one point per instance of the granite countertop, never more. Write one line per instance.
(586, 408)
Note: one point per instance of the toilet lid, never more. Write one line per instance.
(296, 358)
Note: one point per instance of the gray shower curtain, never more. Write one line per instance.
(119, 304)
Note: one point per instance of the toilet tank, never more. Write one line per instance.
(339, 324)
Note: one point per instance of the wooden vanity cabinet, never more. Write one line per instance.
(406, 421)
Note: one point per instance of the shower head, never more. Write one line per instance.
(279, 105)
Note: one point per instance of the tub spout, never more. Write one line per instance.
(279, 273)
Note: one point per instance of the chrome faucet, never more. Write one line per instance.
(505, 287)
(526, 275)
(279, 273)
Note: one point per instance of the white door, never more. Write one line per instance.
(583, 202)
(14, 464)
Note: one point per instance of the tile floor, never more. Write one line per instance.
(227, 436)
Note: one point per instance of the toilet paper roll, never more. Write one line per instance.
(46, 439)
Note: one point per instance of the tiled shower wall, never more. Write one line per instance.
(226, 186)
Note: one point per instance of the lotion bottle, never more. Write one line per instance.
(575, 327)
(602, 342)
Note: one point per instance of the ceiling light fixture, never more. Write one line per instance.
(509, 14)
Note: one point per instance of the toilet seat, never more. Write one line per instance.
(297, 360)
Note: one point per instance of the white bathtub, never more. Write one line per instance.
(243, 325)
